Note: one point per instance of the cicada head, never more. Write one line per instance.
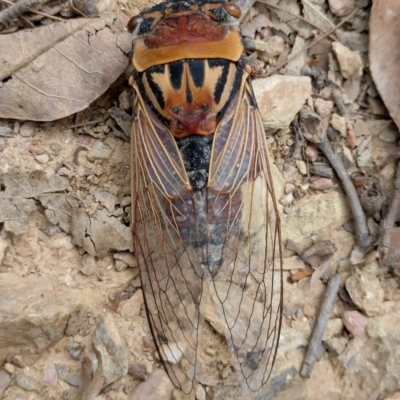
(178, 30)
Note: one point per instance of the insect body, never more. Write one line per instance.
(204, 214)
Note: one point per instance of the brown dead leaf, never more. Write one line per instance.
(57, 70)
(384, 53)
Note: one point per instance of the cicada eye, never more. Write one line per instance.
(233, 9)
(134, 22)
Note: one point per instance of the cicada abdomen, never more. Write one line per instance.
(204, 215)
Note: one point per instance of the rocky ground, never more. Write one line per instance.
(69, 282)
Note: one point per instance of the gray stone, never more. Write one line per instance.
(27, 129)
(98, 151)
(28, 383)
(5, 380)
(366, 292)
(74, 350)
(280, 98)
(157, 387)
(32, 324)
(113, 349)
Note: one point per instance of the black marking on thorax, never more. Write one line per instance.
(196, 152)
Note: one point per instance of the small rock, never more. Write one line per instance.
(42, 158)
(74, 379)
(139, 370)
(274, 46)
(350, 62)
(124, 100)
(226, 372)
(3, 248)
(302, 167)
(361, 128)
(287, 199)
(27, 129)
(113, 349)
(89, 266)
(5, 380)
(18, 361)
(210, 351)
(131, 308)
(290, 188)
(120, 265)
(308, 310)
(157, 387)
(323, 107)
(56, 147)
(389, 135)
(280, 98)
(200, 393)
(322, 184)
(172, 353)
(311, 153)
(107, 199)
(366, 292)
(74, 349)
(3, 144)
(6, 131)
(126, 201)
(9, 368)
(333, 328)
(351, 136)
(63, 171)
(354, 322)
(336, 345)
(339, 123)
(50, 377)
(38, 150)
(341, 7)
(127, 258)
(98, 151)
(28, 383)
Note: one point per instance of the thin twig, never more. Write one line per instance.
(390, 218)
(16, 9)
(38, 12)
(315, 347)
(309, 46)
(80, 125)
(362, 234)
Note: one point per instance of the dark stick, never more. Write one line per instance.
(16, 10)
(391, 217)
(362, 234)
(315, 347)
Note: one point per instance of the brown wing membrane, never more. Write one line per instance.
(171, 278)
(247, 289)
(219, 244)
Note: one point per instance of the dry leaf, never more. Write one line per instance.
(384, 53)
(51, 72)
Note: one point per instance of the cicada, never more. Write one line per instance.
(204, 214)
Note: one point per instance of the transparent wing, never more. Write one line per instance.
(172, 281)
(245, 267)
